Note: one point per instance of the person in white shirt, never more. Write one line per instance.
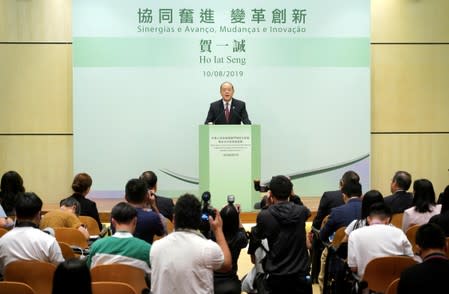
(377, 239)
(424, 205)
(25, 241)
(184, 261)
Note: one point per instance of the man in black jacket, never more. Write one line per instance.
(400, 200)
(283, 224)
(430, 276)
(227, 110)
(164, 204)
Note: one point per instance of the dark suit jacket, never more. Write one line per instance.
(442, 220)
(399, 201)
(329, 200)
(341, 216)
(238, 114)
(88, 207)
(430, 276)
(165, 206)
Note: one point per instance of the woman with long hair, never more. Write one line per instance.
(424, 205)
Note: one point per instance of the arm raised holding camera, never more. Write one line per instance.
(216, 225)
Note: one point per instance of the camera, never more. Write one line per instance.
(231, 199)
(259, 187)
(206, 209)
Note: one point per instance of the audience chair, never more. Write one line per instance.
(396, 220)
(91, 224)
(67, 251)
(411, 236)
(381, 271)
(170, 228)
(338, 237)
(112, 288)
(393, 287)
(37, 274)
(71, 236)
(120, 273)
(9, 287)
(3, 231)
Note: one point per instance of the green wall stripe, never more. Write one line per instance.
(185, 52)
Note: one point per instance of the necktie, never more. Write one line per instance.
(227, 111)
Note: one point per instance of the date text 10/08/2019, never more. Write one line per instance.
(222, 73)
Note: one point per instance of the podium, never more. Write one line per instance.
(229, 161)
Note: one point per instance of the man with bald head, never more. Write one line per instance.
(227, 110)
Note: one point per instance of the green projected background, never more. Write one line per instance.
(145, 72)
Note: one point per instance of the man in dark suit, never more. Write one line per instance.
(430, 276)
(164, 204)
(400, 200)
(329, 200)
(227, 110)
(341, 216)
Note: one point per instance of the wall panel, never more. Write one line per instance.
(409, 21)
(36, 83)
(36, 20)
(422, 155)
(410, 88)
(44, 162)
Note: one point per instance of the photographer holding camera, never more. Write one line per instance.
(184, 261)
(282, 223)
(235, 235)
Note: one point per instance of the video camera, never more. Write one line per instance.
(259, 187)
(206, 209)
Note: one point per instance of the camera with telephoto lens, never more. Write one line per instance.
(259, 187)
(206, 209)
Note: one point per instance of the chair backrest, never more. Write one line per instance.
(67, 251)
(120, 273)
(71, 236)
(393, 287)
(37, 274)
(411, 235)
(396, 220)
(3, 231)
(91, 224)
(170, 228)
(112, 288)
(381, 271)
(338, 237)
(9, 287)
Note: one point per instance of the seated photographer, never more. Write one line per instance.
(235, 235)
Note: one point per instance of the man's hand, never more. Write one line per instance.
(217, 223)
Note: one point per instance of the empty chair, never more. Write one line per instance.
(37, 274)
(120, 273)
(91, 224)
(112, 288)
(71, 236)
(381, 271)
(67, 251)
(9, 287)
